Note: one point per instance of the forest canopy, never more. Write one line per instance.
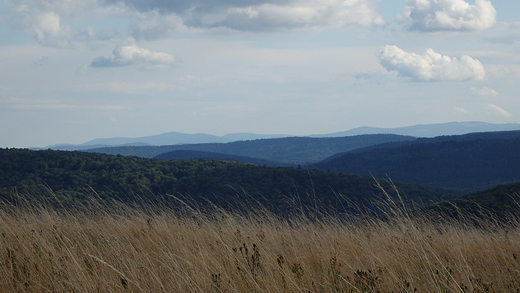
(73, 177)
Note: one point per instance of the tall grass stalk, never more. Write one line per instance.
(153, 249)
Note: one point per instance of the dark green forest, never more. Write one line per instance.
(501, 202)
(461, 165)
(75, 177)
(187, 154)
(504, 135)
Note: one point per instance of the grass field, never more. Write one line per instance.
(126, 249)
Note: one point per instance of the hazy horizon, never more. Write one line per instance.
(73, 71)
(417, 130)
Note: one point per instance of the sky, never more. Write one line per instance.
(75, 70)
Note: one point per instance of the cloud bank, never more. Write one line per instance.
(430, 66)
(162, 18)
(134, 55)
(156, 19)
(292, 15)
(442, 15)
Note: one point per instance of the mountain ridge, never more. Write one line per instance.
(174, 138)
(466, 163)
(430, 130)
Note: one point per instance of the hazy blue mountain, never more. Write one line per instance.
(175, 138)
(251, 136)
(429, 130)
(160, 139)
(170, 138)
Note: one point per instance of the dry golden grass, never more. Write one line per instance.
(133, 250)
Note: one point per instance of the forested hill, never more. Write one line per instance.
(501, 200)
(190, 155)
(515, 134)
(289, 150)
(463, 165)
(73, 177)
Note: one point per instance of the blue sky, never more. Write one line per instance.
(72, 71)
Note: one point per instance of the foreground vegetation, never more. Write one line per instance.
(157, 249)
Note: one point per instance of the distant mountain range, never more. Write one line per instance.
(430, 130)
(170, 138)
(175, 138)
(463, 163)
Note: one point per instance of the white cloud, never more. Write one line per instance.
(48, 29)
(439, 15)
(484, 92)
(44, 19)
(499, 110)
(133, 55)
(430, 66)
(461, 110)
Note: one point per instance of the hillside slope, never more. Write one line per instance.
(499, 202)
(195, 155)
(464, 165)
